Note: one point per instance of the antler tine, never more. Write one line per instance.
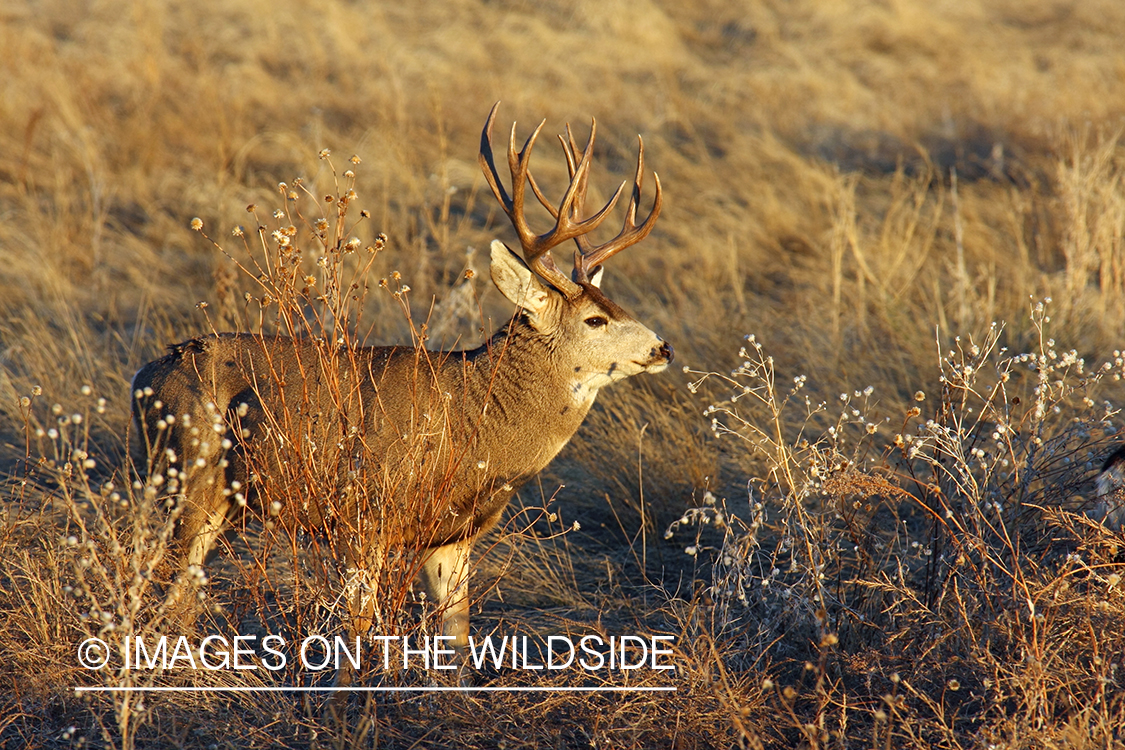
(488, 164)
(587, 258)
(520, 166)
(542, 199)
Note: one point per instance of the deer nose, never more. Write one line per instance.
(666, 351)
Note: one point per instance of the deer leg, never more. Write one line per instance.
(445, 576)
(196, 532)
(361, 590)
(200, 529)
(207, 502)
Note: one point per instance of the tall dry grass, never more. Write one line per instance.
(856, 184)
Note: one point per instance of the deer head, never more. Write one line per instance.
(596, 340)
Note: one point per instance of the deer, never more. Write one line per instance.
(215, 407)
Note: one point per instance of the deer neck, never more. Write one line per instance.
(528, 392)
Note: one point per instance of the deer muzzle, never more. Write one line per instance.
(660, 356)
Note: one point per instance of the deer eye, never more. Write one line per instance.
(596, 321)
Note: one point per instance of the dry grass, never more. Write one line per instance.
(856, 184)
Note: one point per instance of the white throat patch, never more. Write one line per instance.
(585, 387)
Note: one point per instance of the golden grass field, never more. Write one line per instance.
(917, 209)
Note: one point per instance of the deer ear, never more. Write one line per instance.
(595, 279)
(516, 281)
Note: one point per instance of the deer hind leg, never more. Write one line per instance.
(361, 589)
(445, 576)
(361, 593)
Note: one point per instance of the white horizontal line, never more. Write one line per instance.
(436, 689)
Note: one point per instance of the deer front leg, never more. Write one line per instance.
(202, 522)
(445, 576)
(200, 528)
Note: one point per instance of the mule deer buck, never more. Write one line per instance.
(230, 410)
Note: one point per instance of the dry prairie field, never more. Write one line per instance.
(861, 503)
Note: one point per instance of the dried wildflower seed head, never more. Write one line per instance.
(197, 224)
(954, 685)
(251, 208)
(292, 195)
(919, 396)
(349, 174)
(237, 232)
(324, 153)
(365, 214)
(355, 159)
(282, 187)
(470, 273)
(37, 390)
(328, 199)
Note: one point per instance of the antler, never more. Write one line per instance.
(587, 258)
(568, 224)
